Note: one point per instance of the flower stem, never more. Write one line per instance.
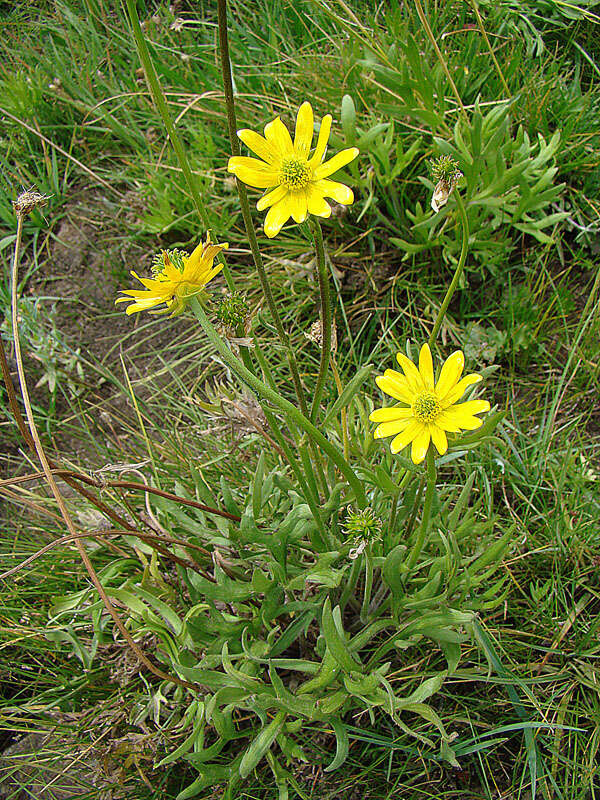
(350, 584)
(458, 272)
(325, 316)
(270, 417)
(47, 470)
(364, 612)
(161, 104)
(420, 540)
(245, 205)
(344, 413)
(290, 410)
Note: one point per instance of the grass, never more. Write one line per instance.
(78, 123)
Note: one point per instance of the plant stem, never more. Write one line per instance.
(163, 109)
(54, 486)
(441, 59)
(344, 413)
(323, 277)
(290, 410)
(270, 417)
(245, 205)
(351, 584)
(458, 272)
(489, 47)
(420, 540)
(364, 612)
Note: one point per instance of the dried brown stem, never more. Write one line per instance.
(54, 487)
(90, 535)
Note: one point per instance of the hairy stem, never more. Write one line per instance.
(344, 413)
(364, 612)
(291, 412)
(245, 206)
(457, 273)
(420, 540)
(325, 317)
(161, 104)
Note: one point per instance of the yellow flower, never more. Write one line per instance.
(298, 182)
(177, 278)
(430, 409)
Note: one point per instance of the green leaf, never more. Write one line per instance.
(348, 393)
(393, 571)
(261, 744)
(336, 644)
(423, 692)
(342, 745)
(348, 119)
(189, 742)
(452, 653)
(492, 554)
(257, 500)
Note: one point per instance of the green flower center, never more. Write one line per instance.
(160, 261)
(426, 407)
(295, 173)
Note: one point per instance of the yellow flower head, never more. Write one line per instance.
(430, 409)
(177, 278)
(297, 181)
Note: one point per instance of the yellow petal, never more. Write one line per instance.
(407, 435)
(457, 418)
(420, 445)
(390, 413)
(317, 204)
(298, 205)
(470, 407)
(461, 387)
(470, 423)
(278, 137)
(253, 172)
(336, 163)
(426, 367)
(143, 305)
(447, 422)
(272, 197)
(304, 130)
(395, 385)
(276, 217)
(322, 140)
(390, 428)
(413, 376)
(438, 437)
(337, 191)
(204, 253)
(259, 145)
(450, 373)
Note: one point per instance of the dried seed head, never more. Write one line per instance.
(447, 174)
(27, 201)
(316, 335)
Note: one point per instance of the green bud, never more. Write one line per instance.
(445, 168)
(233, 310)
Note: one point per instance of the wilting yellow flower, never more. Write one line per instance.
(298, 182)
(430, 409)
(177, 278)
